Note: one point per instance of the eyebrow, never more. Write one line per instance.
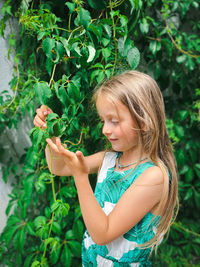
(109, 115)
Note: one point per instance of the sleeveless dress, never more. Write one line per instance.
(122, 252)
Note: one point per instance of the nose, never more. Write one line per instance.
(106, 130)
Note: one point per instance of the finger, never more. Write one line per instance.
(62, 149)
(46, 110)
(52, 145)
(38, 122)
(41, 114)
(80, 155)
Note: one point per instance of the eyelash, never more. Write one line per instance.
(115, 122)
(112, 121)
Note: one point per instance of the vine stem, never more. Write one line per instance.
(52, 75)
(178, 225)
(176, 45)
(52, 180)
(54, 197)
(114, 38)
(16, 88)
(69, 23)
(67, 141)
(76, 29)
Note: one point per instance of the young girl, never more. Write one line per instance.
(136, 193)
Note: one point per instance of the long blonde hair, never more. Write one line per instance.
(141, 94)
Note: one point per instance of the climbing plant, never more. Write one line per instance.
(62, 50)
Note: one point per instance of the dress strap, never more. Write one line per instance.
(109, 161)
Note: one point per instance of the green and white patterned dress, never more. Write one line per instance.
(123, 251)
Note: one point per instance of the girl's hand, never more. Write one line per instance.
(75, 162)
(41, 115)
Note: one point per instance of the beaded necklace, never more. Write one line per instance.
(120, 166)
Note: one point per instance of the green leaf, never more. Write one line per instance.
(69, 235)
(54, 255)
(197, 198)
(29, 228)
(188, 194)
(71, 7)
(85, 18)
(36, 264)
(105, 41)
(56, 128)
(189, 175)
(154, 47)
(181, 157)
(12, 220)
(66, 257)
(10, 231)
(42, 91)
(144, 26)
(49, 64)
(67, 192)
(40, 186)
(134, 3)
(6, 9)
(62, 95)
(73, 90)
(181, 59)
(28, 260)
(18, 259)
(133, 57)
(60, 51)
(38, 136)
(92, 52)
(123, 20)
(179, 131)
(184, 169)
(97, 4)
(75, 248)
(182, 115)
(41, 35)
(48, 44)
(52, 116)
(40, 221)
(76, 48)
(66, 45)
(108, 29)
(106, 52)
(21, 239)
(60, 208)
(56, 228)
(28, 184)
(78, 229)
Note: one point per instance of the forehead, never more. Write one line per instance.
(108, 105)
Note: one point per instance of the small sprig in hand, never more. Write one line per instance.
(75, 161)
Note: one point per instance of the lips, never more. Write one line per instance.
(112, 140)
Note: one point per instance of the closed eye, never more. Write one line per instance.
(114, 121)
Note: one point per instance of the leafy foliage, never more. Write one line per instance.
(65, 49)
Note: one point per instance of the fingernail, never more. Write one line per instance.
(45, 112)
(44, 125)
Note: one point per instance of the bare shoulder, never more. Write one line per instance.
(151, 176)
(94, 161)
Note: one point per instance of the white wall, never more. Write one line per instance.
(13, 141)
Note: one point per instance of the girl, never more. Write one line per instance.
(136, 193)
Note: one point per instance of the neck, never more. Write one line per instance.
(128, 157)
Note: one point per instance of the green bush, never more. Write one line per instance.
(62, 51)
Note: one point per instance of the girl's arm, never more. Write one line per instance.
(140, 198)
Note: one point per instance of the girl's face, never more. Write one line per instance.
(118, 124)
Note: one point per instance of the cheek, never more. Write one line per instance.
(130, 134)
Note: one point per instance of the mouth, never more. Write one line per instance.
(113, 140)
